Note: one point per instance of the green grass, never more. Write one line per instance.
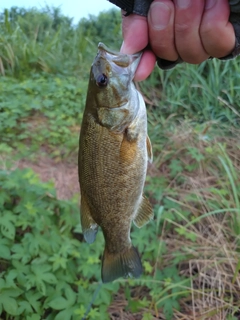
(190, 252)
(198, 93)
(47, 41)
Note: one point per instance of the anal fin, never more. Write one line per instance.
(89, 226)
(144, 213)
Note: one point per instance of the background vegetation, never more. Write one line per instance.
(190, 251)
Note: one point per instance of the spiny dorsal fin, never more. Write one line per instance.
(89, 226)
(144, 213)
(149, 150)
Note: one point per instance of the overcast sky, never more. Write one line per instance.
(73, 8)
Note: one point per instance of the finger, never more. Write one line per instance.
(216, 31)
(135, 33)
(188, 15)
(161, 29)
(146, 65)
(135, 39)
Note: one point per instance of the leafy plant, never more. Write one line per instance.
(41, 111)
(190, 251)
(44, 270)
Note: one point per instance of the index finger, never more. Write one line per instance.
(135, 39)
(135, 33)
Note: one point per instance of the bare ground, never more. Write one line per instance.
(63, 174)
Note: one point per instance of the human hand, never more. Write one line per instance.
(193, 30)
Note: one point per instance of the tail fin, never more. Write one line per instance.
(123, 264)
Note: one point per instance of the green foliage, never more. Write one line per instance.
(41, 111)
(44, 270)
(106, 27)
(201, 93)
(44, 40)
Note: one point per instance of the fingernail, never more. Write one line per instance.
(159, 15)
(209, 4)
(183, 4)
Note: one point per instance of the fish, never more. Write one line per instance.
(114, 150)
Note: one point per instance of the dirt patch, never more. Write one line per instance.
(63, 174)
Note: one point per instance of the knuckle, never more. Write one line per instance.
(208, 29)
(162, 40)
(164, 49)
(157, 46)
(182, 28)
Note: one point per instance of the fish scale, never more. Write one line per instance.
(114, 149)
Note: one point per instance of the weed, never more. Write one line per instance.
(190, 251)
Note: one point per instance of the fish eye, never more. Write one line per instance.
(102, 80)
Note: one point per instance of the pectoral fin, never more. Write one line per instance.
(149, 150)
(89, 226)
(144, 213)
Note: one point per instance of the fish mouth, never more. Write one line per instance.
(129, 61)
(103, 47)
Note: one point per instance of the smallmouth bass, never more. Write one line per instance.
(114, 150)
